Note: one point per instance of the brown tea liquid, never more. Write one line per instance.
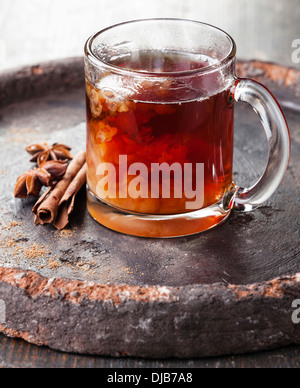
(161, 121)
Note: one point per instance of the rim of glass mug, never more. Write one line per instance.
(98, 62)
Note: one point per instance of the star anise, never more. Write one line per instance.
(43, 152)
(31, 183)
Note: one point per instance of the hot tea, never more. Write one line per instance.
(159, 124)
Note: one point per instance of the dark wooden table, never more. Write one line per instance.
(19, 354)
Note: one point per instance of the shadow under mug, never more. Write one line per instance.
(160, 123)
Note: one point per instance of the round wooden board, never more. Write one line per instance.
(90, 290)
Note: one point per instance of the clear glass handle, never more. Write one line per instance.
(277, 131)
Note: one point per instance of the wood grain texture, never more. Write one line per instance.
(18, 354)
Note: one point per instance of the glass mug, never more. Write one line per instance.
(160, 119)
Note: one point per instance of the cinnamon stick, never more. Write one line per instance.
(66, 205)
(57, 203)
